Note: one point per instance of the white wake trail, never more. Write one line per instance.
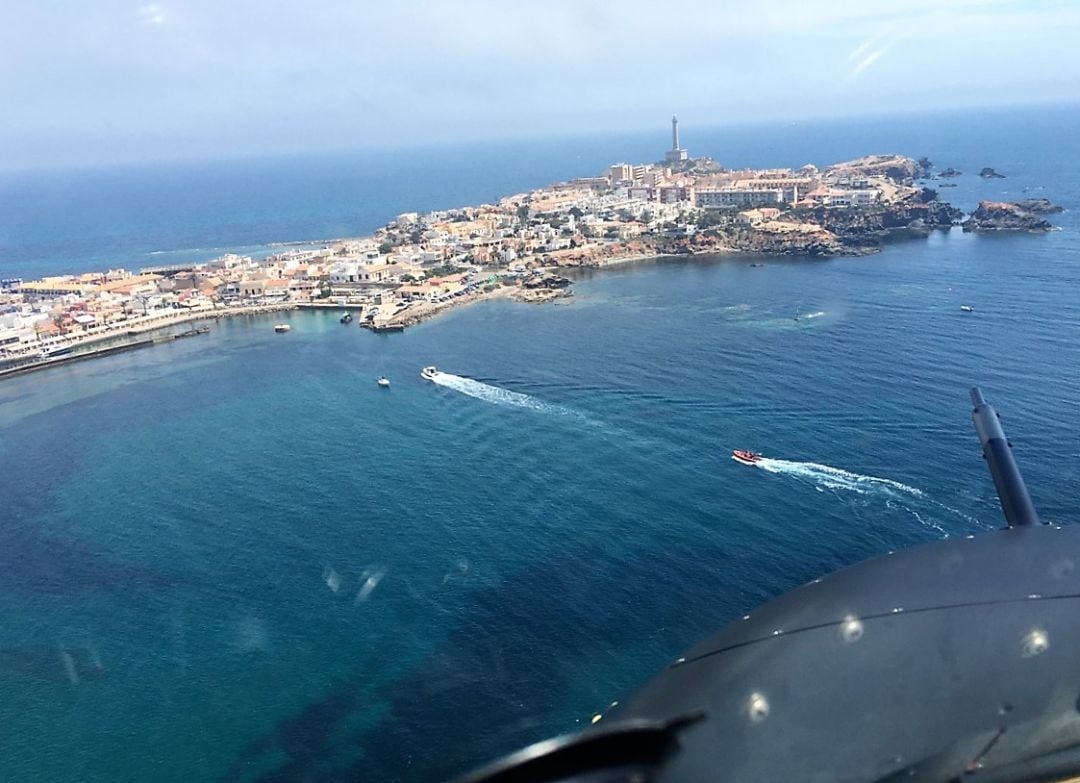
(894, 493)
(499, 396)
(828, 477)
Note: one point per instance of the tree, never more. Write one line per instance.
(443, 270)
(647, 216)
(625, 215)
(710, 218)
(385, 248)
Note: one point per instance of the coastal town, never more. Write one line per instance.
(420, 264)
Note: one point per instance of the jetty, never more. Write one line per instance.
(31, 364)
(384, 327)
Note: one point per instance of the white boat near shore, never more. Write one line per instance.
(282, 328)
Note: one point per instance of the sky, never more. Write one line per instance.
(98, 81)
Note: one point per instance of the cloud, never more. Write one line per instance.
(275, 74)
(151, 15)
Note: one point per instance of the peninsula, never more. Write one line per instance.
(420, 264)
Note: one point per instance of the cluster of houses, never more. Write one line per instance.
(429, 257)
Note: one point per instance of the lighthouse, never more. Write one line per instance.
(676, 153)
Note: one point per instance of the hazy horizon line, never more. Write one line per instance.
(661, 129)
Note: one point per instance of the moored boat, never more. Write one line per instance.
(347, 318)
(282, 328)
(746, 457)
(383, 381)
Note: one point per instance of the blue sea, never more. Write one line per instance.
(235, 558)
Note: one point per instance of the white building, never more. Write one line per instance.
(345, 272)
(842, 197)
(738, 197)
(18, 330)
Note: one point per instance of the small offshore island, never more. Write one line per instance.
(421, 264)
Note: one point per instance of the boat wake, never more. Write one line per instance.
(808, 316)
(825, 478)
(828, 477)
(499, 396)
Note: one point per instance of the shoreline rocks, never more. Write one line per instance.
(870, 227)
(541, 295)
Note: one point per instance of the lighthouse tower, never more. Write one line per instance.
(676, 153)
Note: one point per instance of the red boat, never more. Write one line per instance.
(745, 457)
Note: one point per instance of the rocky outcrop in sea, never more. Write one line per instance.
(1000, 216)
(1039, 206)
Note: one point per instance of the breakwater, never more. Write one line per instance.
(41, 364)
(32, 365)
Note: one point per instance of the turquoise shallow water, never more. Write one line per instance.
(236, 558)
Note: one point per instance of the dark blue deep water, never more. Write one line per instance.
(234, 558)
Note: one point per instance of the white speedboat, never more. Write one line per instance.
(383, 381)
(429, 373)
(967, 308)
(282, 328)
